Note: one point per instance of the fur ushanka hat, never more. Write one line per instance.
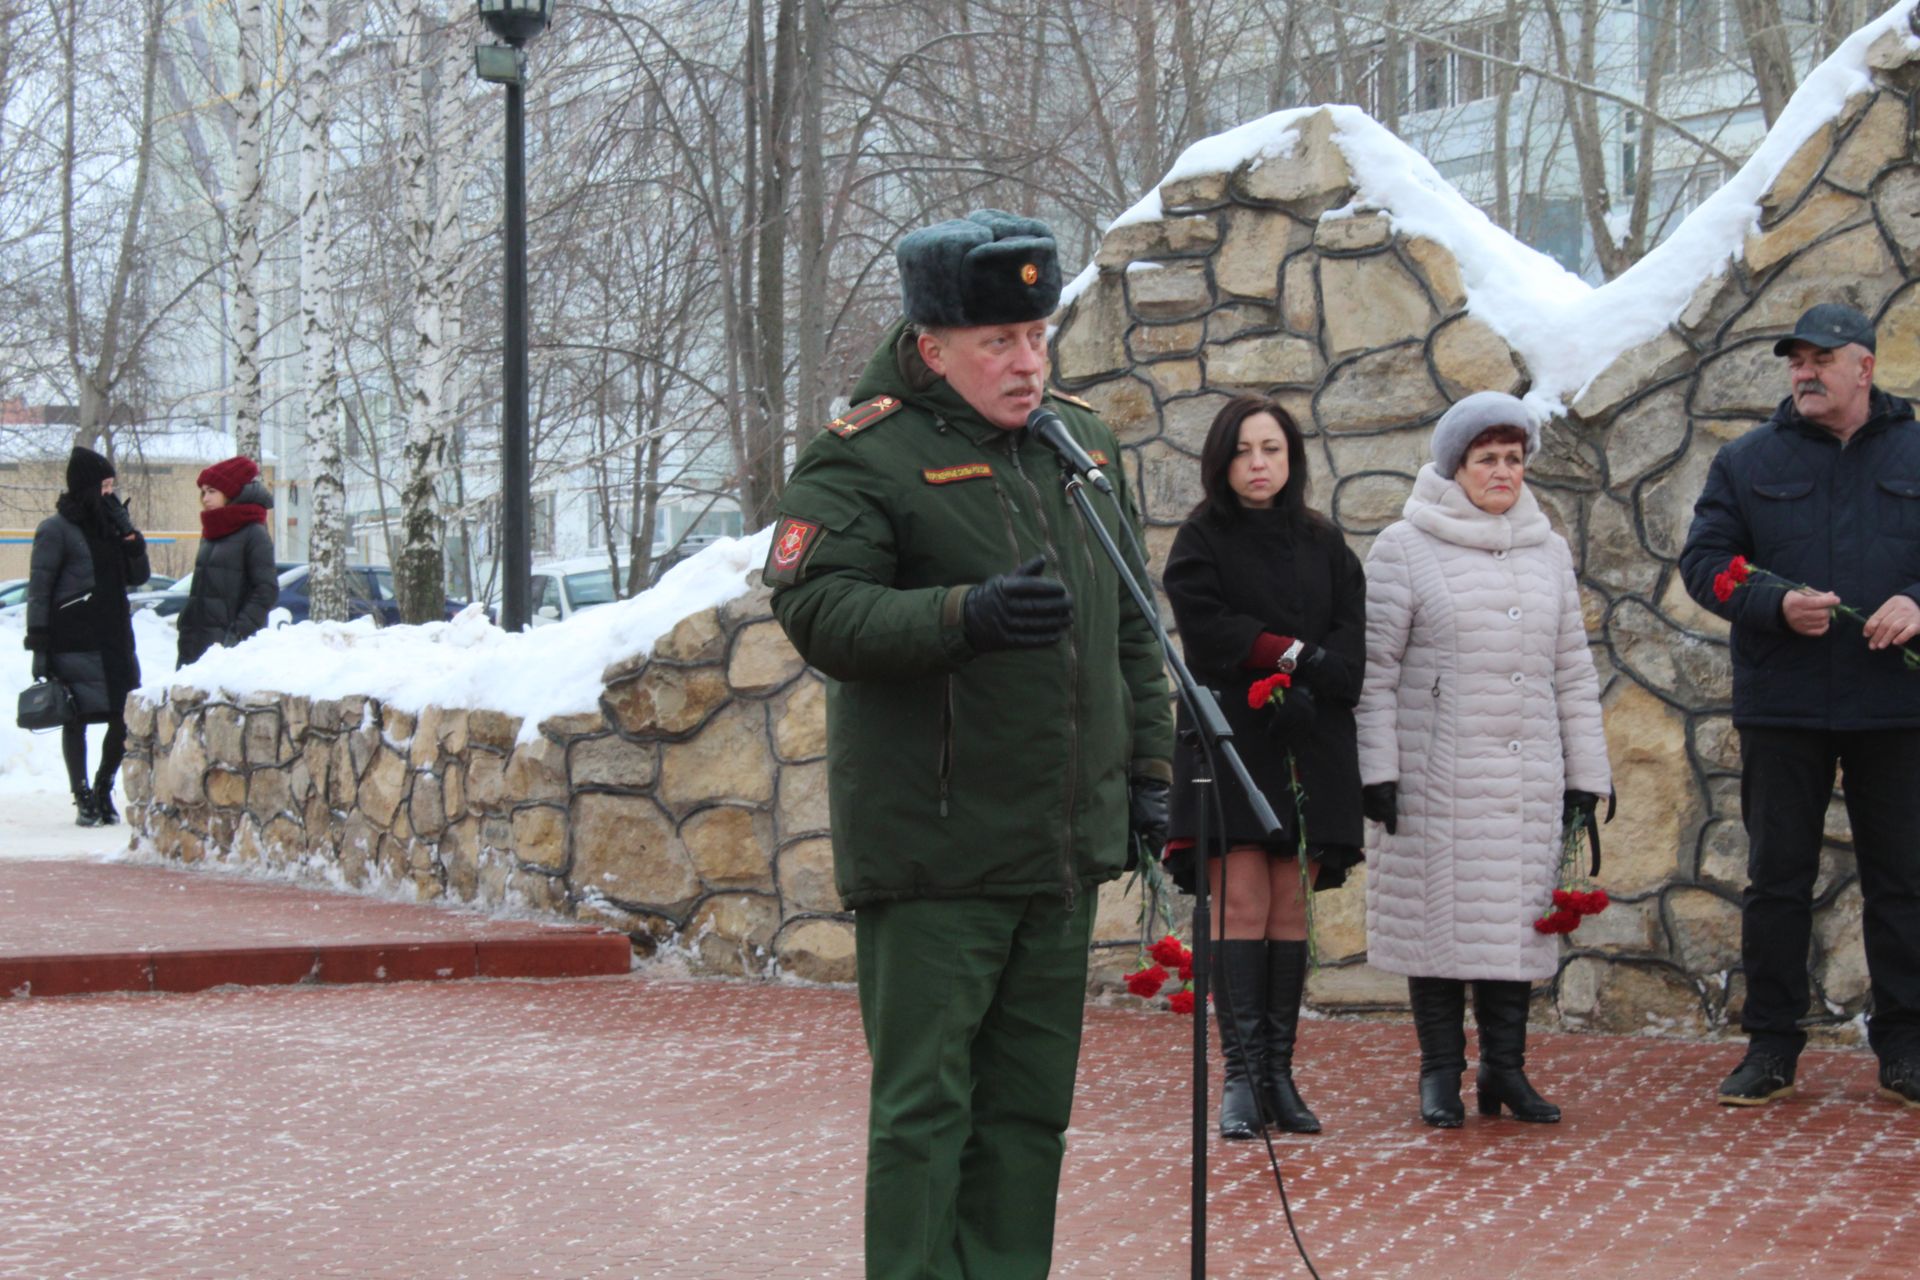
(990, 267)
(1472, 415)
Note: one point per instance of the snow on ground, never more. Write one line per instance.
(1567, 331)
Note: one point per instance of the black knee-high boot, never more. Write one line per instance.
(1286, 984)
(1240, 1003)
(1439, 1013)
(1500, 1010)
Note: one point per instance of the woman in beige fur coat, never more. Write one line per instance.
(1479, 729)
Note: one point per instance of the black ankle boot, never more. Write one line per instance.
(87, 814)
(1439, 1013)
(103, 800)
(1286, 984)
(1239, 983)
(1500, 1009)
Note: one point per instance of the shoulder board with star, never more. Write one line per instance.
(863, 415)
(1061, 395)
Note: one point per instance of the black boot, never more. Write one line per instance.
(87, 814)
(1500, 1009)
(1286, 984)
(1439, 1013)
(1239, 983)
(103, 800)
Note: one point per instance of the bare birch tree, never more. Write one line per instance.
(327, 538)
(249, 197)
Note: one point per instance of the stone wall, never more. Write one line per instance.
(1364, 334)
(689, 810)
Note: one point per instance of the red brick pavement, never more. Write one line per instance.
(70, 928)
(644, 1127)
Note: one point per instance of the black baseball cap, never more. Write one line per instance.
(1829, 325)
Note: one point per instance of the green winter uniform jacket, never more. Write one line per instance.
(952, 774)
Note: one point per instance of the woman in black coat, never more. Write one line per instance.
(79, 626)
(1261, 584)
(234, 581)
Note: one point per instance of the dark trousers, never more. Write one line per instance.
(972, 1009)
(113, 749)
(1785, 786)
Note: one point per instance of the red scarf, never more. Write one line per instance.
(221, 521)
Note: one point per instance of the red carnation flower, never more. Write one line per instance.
(1597, 902)
(1565, 897)
(1146, 983)
(1167, 952)
(1723, 587)
(1738, 569)
(1181, 1002)
(1265, 690)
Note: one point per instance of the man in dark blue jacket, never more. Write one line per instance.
(1826, 493)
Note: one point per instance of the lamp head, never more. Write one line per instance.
(516, 21)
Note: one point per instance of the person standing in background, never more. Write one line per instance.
(234, 581)
(79, 625)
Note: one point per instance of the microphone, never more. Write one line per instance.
(1045, 424)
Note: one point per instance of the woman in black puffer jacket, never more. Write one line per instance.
(234, 581)
(79, 625)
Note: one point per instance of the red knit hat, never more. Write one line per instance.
(231, 476)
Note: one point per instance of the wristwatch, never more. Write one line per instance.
(1291, 658)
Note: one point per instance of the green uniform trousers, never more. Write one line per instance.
(972, 1009)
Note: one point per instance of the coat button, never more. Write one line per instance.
(1517, 678)
(1513, 748)
(1514, 613)
(1499, 555)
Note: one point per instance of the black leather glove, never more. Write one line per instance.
(1018, 610)
(117, 514)
(1291, 721)
(1576, 807)
(1380, 801)
(1148, 814)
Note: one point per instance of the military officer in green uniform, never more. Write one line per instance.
(997, 723)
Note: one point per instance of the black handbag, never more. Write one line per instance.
(45, 704)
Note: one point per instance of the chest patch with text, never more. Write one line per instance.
(952, 475)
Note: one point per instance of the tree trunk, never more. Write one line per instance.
(249, 183)
(1768, 53)
(419, 578)
(327, 532)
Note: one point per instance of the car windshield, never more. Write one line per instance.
(587, 589)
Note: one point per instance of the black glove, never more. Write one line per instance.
(117, 514)
(1018, 610)
(1380, 801)
(1291, 720)
(1576, 807)
(1147, 815)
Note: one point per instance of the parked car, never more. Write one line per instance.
(561, 588)
(369, 591)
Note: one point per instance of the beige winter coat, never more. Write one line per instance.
(1481, 701)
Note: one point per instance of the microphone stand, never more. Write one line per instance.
(1215, 745)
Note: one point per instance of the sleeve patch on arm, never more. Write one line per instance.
(791, 548)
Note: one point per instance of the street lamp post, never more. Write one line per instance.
(516, 22)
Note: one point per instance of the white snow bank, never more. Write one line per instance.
(1566, 330)
(32, 761)
(469, 662)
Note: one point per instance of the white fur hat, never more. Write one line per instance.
(1469, 417)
